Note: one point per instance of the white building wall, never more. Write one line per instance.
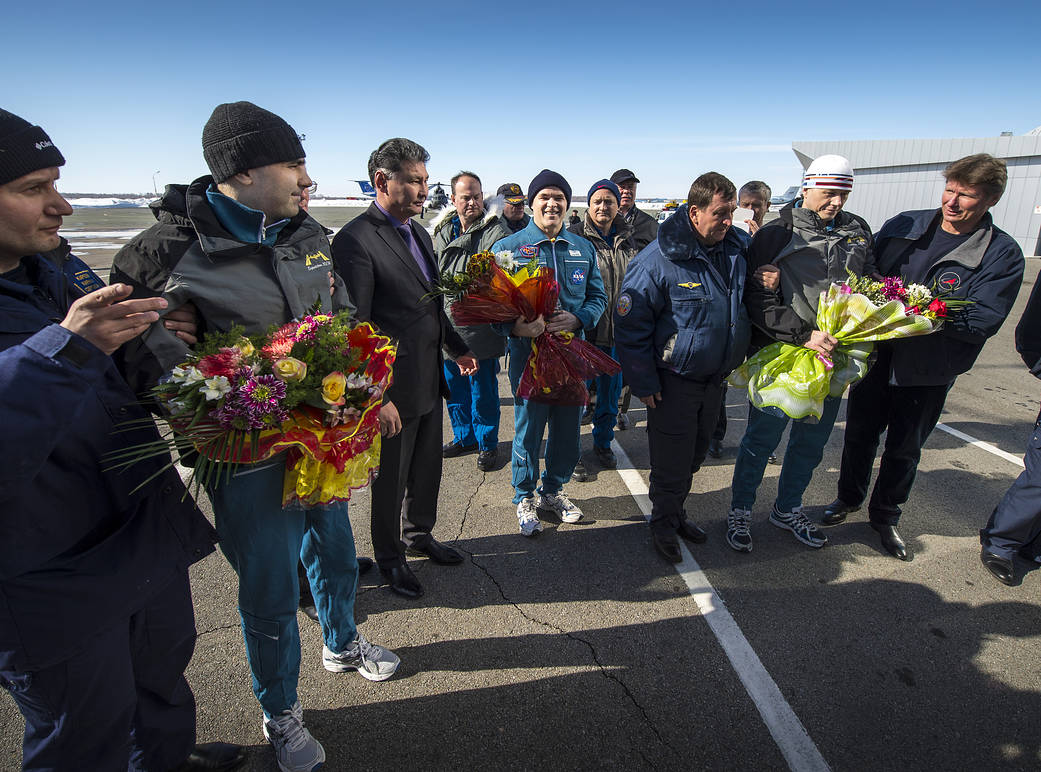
(892, 176)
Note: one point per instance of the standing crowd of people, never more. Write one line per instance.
(99, 676)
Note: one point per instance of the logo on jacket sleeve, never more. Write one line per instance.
(316, 257)
(624, 304)
(578, 275)
(688, 284)
(949, 280)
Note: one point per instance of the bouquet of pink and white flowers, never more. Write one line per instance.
(312, 387)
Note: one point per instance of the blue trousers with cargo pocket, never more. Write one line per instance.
(263, 543)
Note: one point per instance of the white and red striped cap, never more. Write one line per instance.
(829, 171)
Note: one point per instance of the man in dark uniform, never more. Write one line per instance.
(1015, 524)
(97, 624)
(513, 215)
(956, 248)
(645, 227)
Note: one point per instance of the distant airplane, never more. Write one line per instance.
(365, 189)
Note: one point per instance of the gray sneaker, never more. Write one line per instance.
(738, 535)
(527, 517)
(800, 526)
(295, 749)
(372, 662)
(561, 505)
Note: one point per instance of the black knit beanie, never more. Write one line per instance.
(241, 136)
(548, 179)
(24, 148)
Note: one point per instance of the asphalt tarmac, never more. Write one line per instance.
(582, 649)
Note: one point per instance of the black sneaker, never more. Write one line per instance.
(580, 474)
(587, 415)
(623, 422)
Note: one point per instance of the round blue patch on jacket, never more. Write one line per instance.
(529, 250)
(948, 281)
(624, 304)
(578, 276)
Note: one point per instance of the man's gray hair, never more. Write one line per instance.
(756, 188)
(393, 154)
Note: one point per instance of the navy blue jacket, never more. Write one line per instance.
(987, 269)
(675, 312)
(78, 549)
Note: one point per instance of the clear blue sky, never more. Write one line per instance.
(667, 89)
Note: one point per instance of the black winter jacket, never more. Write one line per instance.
(987, 270)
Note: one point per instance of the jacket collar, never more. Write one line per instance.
(677, 240)
(215, 239)
(536, 235)
(915, 224)
(622, 231)
(389, 233)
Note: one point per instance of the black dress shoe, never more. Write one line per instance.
(668, 547)
(580, 474)
(605, 457)
(453, 449)
(892, 542)
(436, 551)
(715, 448)
(310, 611)
(214, 756)
(691, 532)
(487, 459)
(999, 567)
(365, 565)
(836, 512)
(402, 581)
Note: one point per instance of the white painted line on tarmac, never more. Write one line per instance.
(982, 445)
(784, 726)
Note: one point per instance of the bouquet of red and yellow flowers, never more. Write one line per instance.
(498, 288)
(312, 387)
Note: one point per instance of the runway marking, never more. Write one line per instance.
(784, 726)
(982, 445)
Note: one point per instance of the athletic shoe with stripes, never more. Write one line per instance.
(800, 526)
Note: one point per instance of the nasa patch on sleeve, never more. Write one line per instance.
(624, 304)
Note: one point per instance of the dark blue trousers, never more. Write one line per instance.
(119, 703)
(1016, 522)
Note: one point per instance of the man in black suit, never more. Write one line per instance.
(388, 263)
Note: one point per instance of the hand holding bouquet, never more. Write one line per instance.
(312, 387)
(796, 380)
(498, 288)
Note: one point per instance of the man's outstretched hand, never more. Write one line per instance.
(108, 321)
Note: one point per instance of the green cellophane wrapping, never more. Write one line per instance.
(796, 380)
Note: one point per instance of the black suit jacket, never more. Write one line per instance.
(390, 290)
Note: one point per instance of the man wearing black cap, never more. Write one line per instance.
(645, 227)
(247, 254)
(581, 304)
(97, 623)
(513, 215)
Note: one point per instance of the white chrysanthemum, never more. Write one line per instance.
(355, 381)
(506, 261)
(216, 387)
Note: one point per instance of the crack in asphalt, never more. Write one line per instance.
(567, 634)
(236, 625)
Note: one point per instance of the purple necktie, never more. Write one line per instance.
(406, 233)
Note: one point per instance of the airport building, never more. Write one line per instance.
(892, 176)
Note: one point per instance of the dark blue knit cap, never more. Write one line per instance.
(605, 185)
(548, 179)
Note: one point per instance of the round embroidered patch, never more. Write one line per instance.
(578, 276)
(948, 280)
(624, 304)
(529, 250)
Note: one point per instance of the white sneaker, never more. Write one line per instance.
(561, 505)
(295, 749)
(527, 518)
(373, 662)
